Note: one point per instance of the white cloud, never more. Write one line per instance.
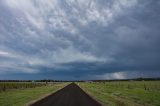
(7, 54)
(43, 14)
(46, 58)
(115, 75)
(2, 53)
(14, 62)
(72, 55)
(26, 9)
(128, 3)
(129, 74)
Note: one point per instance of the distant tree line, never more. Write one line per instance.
(136, 79)
(50, 80)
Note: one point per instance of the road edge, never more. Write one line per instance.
(43, 97)
(90, 96)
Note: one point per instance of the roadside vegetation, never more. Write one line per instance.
(22, 94)
(4, 86)
(124, 93)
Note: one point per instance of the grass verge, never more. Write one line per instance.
(23, 97)
(111, 95)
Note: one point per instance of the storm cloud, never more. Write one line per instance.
(79, 39)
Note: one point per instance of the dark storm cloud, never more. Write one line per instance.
(79, 39)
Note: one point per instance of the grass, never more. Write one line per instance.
(125, 93)
(21, 97)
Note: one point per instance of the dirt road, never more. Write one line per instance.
(71, 95)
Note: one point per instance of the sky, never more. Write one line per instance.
(79, 39)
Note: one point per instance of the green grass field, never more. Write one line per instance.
(21, 97)
(124, 93)
(114, 93)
